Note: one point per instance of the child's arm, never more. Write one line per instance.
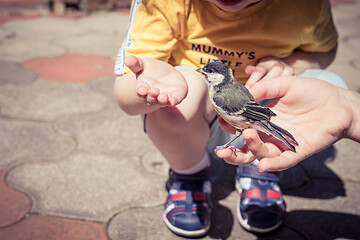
(152, 84)
(300, 61)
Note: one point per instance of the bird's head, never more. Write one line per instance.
(216, 73)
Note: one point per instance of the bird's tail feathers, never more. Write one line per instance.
(279, 133)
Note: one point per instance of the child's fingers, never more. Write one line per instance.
(134, 63)
(142, 88)
(258, 73)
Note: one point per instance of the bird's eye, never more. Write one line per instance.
(210, 71)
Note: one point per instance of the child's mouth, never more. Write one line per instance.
(229, 2)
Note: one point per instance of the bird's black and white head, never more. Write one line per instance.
(216, 73)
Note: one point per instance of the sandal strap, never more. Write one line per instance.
(252, 172)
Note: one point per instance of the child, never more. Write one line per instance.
(166, 41)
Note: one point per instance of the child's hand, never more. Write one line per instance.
(157, 81)
(267, 68)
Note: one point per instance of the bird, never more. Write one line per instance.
(235, 104)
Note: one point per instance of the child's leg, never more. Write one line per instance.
(181, 133)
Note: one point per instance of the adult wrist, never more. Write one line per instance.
(353, 101)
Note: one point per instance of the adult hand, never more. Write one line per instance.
(316, 113)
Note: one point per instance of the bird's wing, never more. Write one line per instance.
(255, 111)
(241, 104)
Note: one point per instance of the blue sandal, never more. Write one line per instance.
(261, 207)
(188, 206)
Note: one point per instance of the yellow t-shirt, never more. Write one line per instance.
(194, 32)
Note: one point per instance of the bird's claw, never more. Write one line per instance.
(223, 147)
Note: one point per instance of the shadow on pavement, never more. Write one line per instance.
(315, 224)
(309, 179)
(312, 178)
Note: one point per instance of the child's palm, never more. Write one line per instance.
(157, 81)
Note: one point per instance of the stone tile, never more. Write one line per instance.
(27, 141)
(88, 186)
(154, 162)
(72, 67)
(353, 42)
(347, 72)
(7, 18)
(345, 52)
(103, 44)
(49, 100)
(326, 195)
(36, 227)
(347, 153)
(108, 131)
(347, 9)
(104, 86)
(335, 163)
(44, 28)
(140, 224)
(318, 224)
(316, 218)
(14, 205)
(116, 23)
(348, 26)
(13, 73)
(5, 33)
(22, 49)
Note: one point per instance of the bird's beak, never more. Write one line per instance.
(200, 70)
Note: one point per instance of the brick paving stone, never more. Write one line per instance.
(14, 205)
(13, 73)
(107, 131)
(27, 141)
(88, 186)
(21, 49)
(36, 100)
(72, 67)
(36, 227)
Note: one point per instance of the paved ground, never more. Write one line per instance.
(73, 166)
